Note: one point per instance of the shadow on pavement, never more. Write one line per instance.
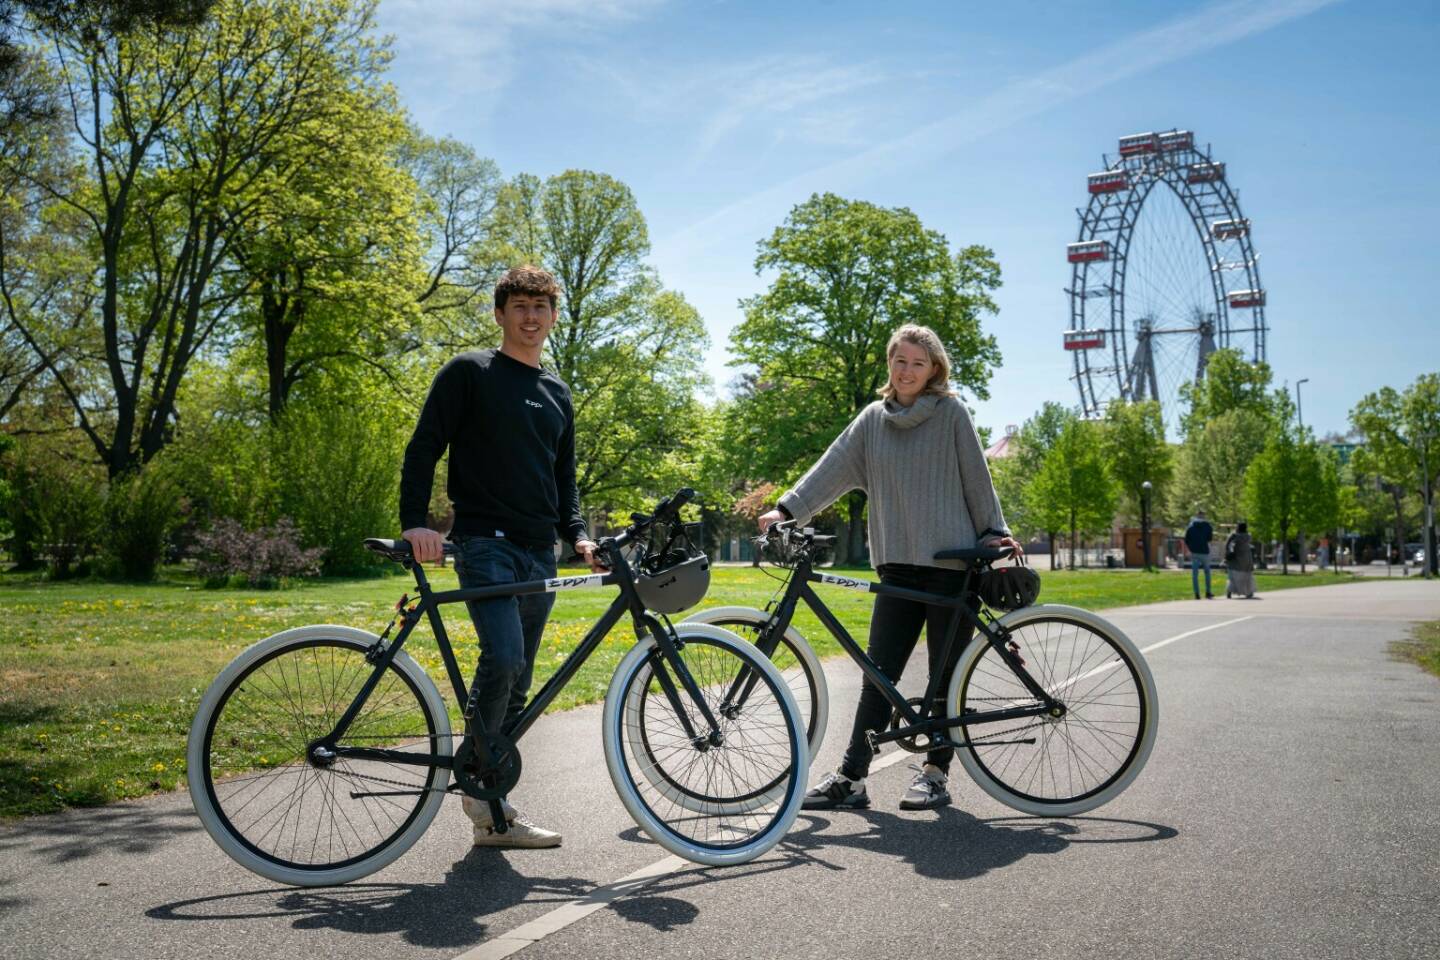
(952, 844)
(446, 914)
(126, 828)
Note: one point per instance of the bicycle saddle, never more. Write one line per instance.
(975, 554)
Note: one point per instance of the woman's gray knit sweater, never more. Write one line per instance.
(924, 473)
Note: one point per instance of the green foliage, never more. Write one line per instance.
(141, 510)
(1292, 484)
(1013, 474)
(1136, 452)
(1073, 489)
(61, 504)
(846, 275)
(630, 351)
(1401, 434)
(1211, 466)
(1230, 383)
(336, 471)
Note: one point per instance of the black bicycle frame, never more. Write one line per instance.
(798, 588)
(428, 605)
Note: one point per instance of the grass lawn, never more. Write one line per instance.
(99, 681)
(1422, 648)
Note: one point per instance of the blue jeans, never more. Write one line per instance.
(1197, 561)
(509, 628)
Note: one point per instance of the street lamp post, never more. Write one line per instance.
(1431, 563)
(1299, 410)
(1145, 521)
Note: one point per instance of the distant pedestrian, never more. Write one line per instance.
(1240, 562)
(1197, 539)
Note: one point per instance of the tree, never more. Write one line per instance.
(630, 351)
(1210, 465)
(1401, 439)
(1073, 489)
(177, 133)
(846, 274)
(1291, 484)
(1014, 473)
(1230, 383)
(1137, 452)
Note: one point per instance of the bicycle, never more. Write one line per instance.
(1058, 739)
(321, 754)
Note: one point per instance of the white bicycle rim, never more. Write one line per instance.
(211, 818)
(814, 671)
(1018, 618)
(789, 791)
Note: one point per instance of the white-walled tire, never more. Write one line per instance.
(1081, 760)
(284, 818)
(793, 657)
(712, 804)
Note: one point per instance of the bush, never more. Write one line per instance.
(142, 508)
(336, 468)
(228, 554)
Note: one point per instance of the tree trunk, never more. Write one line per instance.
(1072, 538)
(1052, 548)
(278, 330)
(1397, 495)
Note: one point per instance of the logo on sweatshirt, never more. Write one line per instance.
(534, 404)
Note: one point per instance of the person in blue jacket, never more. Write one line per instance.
(1197, 539)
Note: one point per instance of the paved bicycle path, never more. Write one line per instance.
(1288, 810)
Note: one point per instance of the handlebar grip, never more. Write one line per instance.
(669, 508)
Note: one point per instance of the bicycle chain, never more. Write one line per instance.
(392, 783)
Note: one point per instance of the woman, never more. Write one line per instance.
(916, 455)
(1239, 562)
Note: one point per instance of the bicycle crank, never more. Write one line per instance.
(487, 765)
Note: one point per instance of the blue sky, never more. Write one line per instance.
(984, 119)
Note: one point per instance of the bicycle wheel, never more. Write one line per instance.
(719, 803)
(1080, 760)
(793, 657)
(315, 824)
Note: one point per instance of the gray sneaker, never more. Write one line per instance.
(836, 791)
(927, 791)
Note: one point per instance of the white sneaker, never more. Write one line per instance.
(519, 832)
(479, 810)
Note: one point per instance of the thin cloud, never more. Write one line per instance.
(468, 47)
(1214, 26)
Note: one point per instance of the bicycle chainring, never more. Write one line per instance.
(487, 765)
(911, 744)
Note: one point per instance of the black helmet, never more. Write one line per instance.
(1009, 588)
(674, 582)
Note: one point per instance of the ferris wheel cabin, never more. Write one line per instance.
(1139, 143)
(1177, 140)
(1084, 339)
(1205, 173)
(1109, 181)
(1247, 298)
(1230, 229)
(1087, 251)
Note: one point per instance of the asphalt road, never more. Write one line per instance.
(1291, 808)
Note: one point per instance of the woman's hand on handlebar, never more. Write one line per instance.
(766, 519)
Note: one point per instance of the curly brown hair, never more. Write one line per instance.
(526, 279)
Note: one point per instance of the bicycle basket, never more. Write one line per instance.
(672, 574)
(1009, 588)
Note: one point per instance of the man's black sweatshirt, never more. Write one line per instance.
(510, 428)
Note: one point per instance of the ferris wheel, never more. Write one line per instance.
(1160, 278)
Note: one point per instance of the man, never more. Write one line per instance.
(1197, 538)
(510, 428)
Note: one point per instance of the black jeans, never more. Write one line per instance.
(894, 630)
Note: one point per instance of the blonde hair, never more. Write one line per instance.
(929, 340)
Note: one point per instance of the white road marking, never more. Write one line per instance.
(561, 917)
